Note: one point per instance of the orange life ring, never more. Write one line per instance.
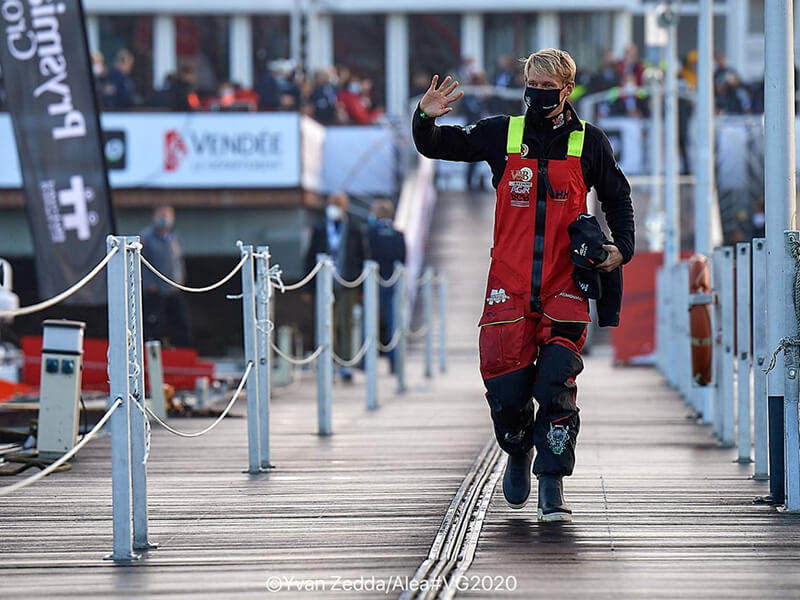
(700, 320)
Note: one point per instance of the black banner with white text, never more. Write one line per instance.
(51, 99)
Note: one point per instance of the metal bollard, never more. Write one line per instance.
(324, 339)
(791, 355)
(743, 308)
(727, 390)
(427, 310)
(371, 332)
(442, 324)
(138, 418)
(119, 381)
(401, 326)
(760, 449)
(155, 377)
(251, 355)
(264, 364)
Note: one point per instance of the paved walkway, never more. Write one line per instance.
(660, 511)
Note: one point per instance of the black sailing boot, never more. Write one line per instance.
(552, 507)
(517, 479)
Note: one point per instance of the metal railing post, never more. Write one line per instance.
(791, 355)
(716, 351)
(282, 374)
(264, 365)
(251, 355)
(401, 326)
(371, 332)
(324, 339)
(728, 392)
(442, 324)
(138, 426)
(743, 307)
(427, 310)
(661, 339)
(119, 424)
(760, 449)
(685, 335)
(155, 377)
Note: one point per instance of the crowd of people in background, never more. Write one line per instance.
(335, 95)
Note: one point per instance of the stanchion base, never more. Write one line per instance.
(123, 559)
(722, 444)
(782, 509)
(259, 471)
(743, 461)
(266, 468)
(148, 545)
(760, 477)
(767, 500)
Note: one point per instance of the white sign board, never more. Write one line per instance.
(189, 150)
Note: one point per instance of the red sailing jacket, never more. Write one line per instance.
(531, 269)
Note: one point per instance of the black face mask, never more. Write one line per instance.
(541, 101)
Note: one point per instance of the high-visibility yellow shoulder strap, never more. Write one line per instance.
(575, 146)
(515, 127)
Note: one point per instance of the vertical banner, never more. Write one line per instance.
(51, 99)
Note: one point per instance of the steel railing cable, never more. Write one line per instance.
(351, 284)
(85, 440)
(219, 419)
(27, 310)
(387, 283)
(294, 286)
(789, 341)
(392, 343)
(419, 333)
(355, 360)
(192, 290)
(297, 361)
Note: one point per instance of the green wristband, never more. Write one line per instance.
(423, 115)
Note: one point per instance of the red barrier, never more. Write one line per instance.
(635, 337)
(181, 366)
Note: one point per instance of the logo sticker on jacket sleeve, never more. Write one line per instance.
(497, 297)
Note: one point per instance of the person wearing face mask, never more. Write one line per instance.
(387, 246)
(165, 314)
(344, 241)
(534, 319)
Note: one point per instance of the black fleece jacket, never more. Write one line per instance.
(486, 140)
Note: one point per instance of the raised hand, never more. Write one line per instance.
(436, 101)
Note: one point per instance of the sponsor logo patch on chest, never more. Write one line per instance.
(520, 185)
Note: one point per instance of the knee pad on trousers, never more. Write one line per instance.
(510, 400)
(557, 368)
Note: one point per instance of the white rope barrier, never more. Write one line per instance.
(387, 283)
(27, 310)
(85, 440)
(351, 284)
(297, 361)
(392, 343)
(353, 361)
(296, 286)
(192, 290)
(419, 333)
(215, 423)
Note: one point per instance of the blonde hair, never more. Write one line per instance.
(553, 63)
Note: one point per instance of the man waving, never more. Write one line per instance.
(535, 313)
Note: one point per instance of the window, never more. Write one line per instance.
(360, 45)
(434, 47)
(134, 33)
(203, 42)
(271, 41)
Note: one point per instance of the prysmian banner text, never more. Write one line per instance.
(51, 99)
